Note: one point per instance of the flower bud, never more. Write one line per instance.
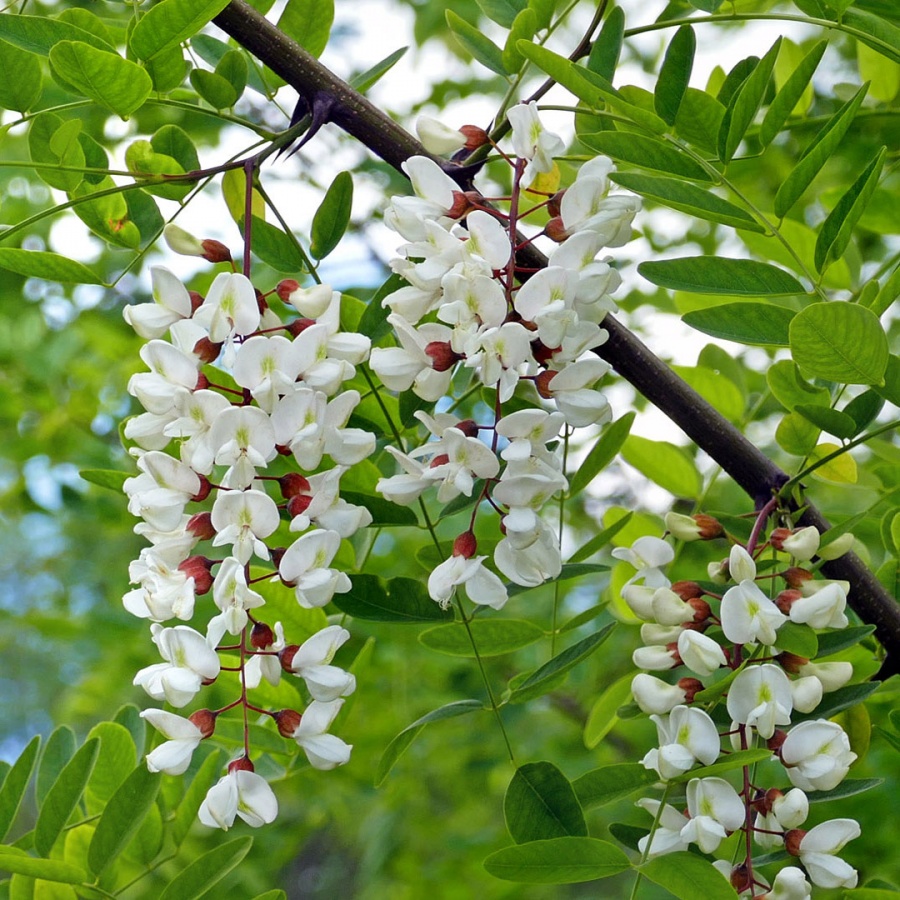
(206, 351)
(292, 484)
(438, 138)
(778, 738)
(200, 525)
(197, 567)
(298, 326)
(285, 288)
(542, 383)
(242, 764)
(792, 840)
(693, 528)
(553, 204)
(313, 301)
(465, 545)
(298, 504)
(196, 300)
(261, 636)
(741, 879)
(442, 355)
(790, 662)
(838, 547)
(441, 459)
(215, 251)
(475, 136)
(797, 577)
(468, 427)
(205, 720)
(786, 599)
(288, 721)
(801, 543)
(687, 590)
(181, 241)
(286, 656)
(555, 230)
(205, 488)
(718, 571)
(691, 687)
(460, 206)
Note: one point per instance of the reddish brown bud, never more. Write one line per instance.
(701, 609)
(710, 526)
(443, 356)
(285, 288)
(542, 383)
(261, 303)
(283, 449)
(288, 721)
(795, 576)
(555, 230)
(200, 525)
(676, 656)
(790, 662)
(277, 553)
(778, 738)
(286, 656)
(765, 804)
(741, 879)
(554, 204)
(687, 590)
(541, 352)
(298, 326)
(205, 488)
(298, 504)
(460, 206)
(196, 300)
(241, 765)
(215, 251)
(197, 567)
(465, 545)
(778, 537)
(206, 350)
(440, 460)
(475, 136)
(468, 427)
(793, 839)
(205, 720)
(691, 687)
(292, 484)
(786, 599)
(261, 636)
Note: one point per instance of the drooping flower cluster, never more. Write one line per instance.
(524, 334)
(244, 431)
(693, 631)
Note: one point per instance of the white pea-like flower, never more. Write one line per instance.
(760, 696)
(817, 755)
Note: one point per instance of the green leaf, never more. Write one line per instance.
(830, 420)
(796, 435)
(675, 74)
(598, 541)
(401, 742)
(23, 91)
(604, 56)
(736, 760)
(309, 23)
(789, 96)
(540, 804)
(523, 29)
(839, 700)
(539, 681)
(745, 323)
(839, 342)
(118, 756)
(601, 454)
(816, 154)
(14, 785)
(832, 642)
(275, 248)
(63, 796)
(887, 293)
(875, 32)
(169, 23)
(849, 787)
(38, 34)
(798, 639)
(688, 876)
(217, 91)
(167, 69)
(493, 637)
(14, 860)
(503, 12)
(115, 83)
(789, 388)
(603, 715)
(568, 572)
(744, 105)
(207, 870)
(47, 143)
(646, 152)
(664, 464)
(563, 860)
(186, 811)
(123, 816)
(398, 600)
(233, 68)
(721, 275)
(610, 783)
(482, 48)
(687, 198)
(57, 752)
(374, 321)
(364, 80)
(333, 216)
(699, 119)
(43, 264)
(720, 392)
(837, 229)
(385, 514)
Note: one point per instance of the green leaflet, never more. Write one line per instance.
(169, 23)
(482, 48)
(787, 98)
(396, 600)
(563, 860)
(602, 453)
(276, 248)
(23, 91)
(308, 22)
(604, 55)
(401, 742)
(664, 464)
(604, 713)
(503, 12)
(688, 876)
(118, 84)
(332, 217)
(839, 342)
(817, 154)
(646, 152)
(13, 788)
(745, 323)
(43, 264)
(492, 637)
(610, 783)
(207, 870)
(540, 804)
(675, 74)
(720, 275)
(56, 753)
(688, 198)
(38, 34)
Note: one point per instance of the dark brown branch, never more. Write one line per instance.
(741, 459)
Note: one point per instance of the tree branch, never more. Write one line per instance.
(740, 458)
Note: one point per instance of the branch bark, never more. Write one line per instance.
(629, 356)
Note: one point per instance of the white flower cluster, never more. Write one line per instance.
(687, 626)
(220, 446)
(468, 305)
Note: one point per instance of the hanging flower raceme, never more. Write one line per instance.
(219, 465)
